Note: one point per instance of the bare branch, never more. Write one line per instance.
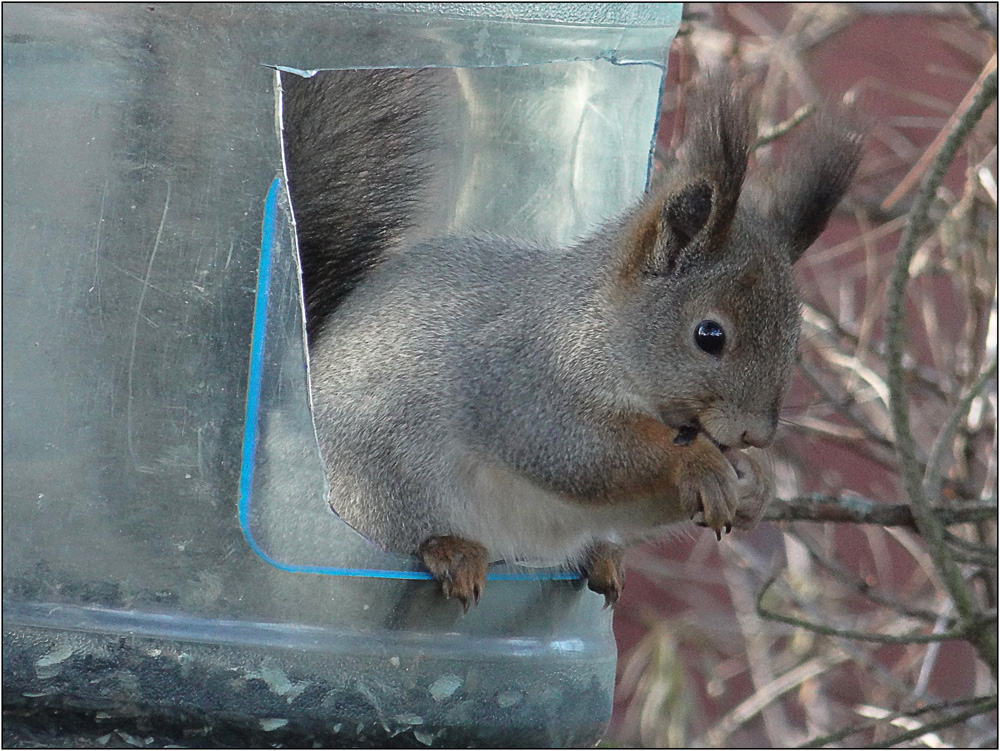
(936, 148)
(863, 588)
(932, 477)
(982, 704)
(911, 637)
(853, 509)
(982, 707)
(766, 694)
(984, 21)
(930, 528)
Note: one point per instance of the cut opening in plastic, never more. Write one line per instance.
(539, 152)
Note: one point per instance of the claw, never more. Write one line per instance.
(603, 568)
(459, 565)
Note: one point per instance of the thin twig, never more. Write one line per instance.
(937, 145)
(825, 740)
(829, 325)
(983, 21)
(971, 546)
(966, 551)
(766, 694)
(843, 407)
(887, 226)
(945, 722)
(932, 476)
(912, 637)
(853, 581)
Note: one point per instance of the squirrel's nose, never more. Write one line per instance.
(760, 432)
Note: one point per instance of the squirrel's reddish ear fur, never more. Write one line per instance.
(800, 195)
(701, 189)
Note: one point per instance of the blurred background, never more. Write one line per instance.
(701, 663)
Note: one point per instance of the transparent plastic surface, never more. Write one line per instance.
(139, 150)
(541, 152)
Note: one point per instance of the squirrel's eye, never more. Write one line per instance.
(710, 337)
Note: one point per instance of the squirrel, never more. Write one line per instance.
(482, 398)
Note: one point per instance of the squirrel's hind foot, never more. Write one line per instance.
(605, 573)
(459, 565)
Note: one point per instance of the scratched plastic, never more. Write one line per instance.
(142, 495)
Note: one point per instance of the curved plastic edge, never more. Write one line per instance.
(607, 56)
(250, 430)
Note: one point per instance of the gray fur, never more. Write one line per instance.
(484, 388)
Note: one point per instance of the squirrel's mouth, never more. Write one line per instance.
(688, 427)
(687, 432)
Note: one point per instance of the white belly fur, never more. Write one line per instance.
(519, 521)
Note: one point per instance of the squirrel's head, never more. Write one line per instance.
(710, 269)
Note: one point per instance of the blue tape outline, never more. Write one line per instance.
(250, 430)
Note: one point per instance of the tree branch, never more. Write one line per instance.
(932, 477)
(977, 702)
(911, 637)
(945, 722)
(852, 581)
(857, 510)
(931, 529)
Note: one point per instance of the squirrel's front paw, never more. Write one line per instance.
(459, 565)
(605, 573)
(755, 486)
(708, 486)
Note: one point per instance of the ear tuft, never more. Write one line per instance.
(717, 145)
(818, 169)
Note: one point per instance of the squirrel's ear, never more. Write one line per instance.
(701, 189)
(664, 226)
(817, 170)
(681, 215)
(686, 212)
(716, 147)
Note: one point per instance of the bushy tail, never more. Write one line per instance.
(356, 145)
